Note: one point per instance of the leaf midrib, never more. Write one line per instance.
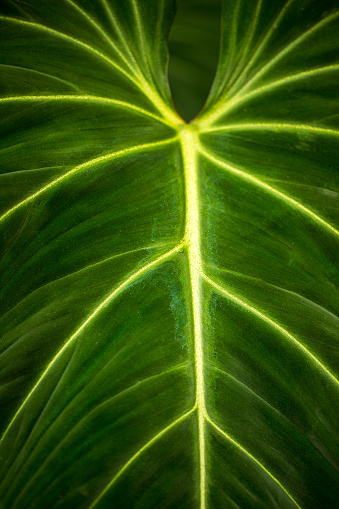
(190, 150)
(189, 144)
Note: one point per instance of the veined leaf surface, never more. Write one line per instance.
(169, 309)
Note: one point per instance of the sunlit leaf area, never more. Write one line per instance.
(169, 254)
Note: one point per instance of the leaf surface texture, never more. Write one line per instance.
(169, 310)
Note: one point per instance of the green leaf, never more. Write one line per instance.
(169, 308)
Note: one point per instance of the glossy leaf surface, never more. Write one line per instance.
(169, 310)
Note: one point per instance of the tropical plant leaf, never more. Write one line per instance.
(170, 299)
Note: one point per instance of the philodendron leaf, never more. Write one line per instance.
(169, 290)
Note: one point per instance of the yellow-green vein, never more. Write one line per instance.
(249, 455)
(115, 25)
(254, 180)
(249, 37)
(262, 45)
(85, 98)
(41, 73)
(234, 101)
(217, 111)
(141, 83)
(83, 166)
(139, 453)
(233, 38)
(150, 92)
(103, 33)
(189, 143)
(103, 304)
(74, 429)
(221, 290)
(81, 271)
(140, 31)
(69, 38)
(281, 289)
(277, 126)
(287, 50)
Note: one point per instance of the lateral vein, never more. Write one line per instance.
(119, 289)
(281, 289)
(140, 82)
(271, 126)
(209, 118)
(288, 48)
(82, 422)
(138, 453)
(116, 26)
(250, 34)
(239, 96)
(248, 454)
(80, 167)
(84, 98)
(89, 48)
(221, 290)
(270, 189)
(103, 33)
(263, 43)
(41, 73)
(77, 272)
(233, 102)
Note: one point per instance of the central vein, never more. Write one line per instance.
(189, 143)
